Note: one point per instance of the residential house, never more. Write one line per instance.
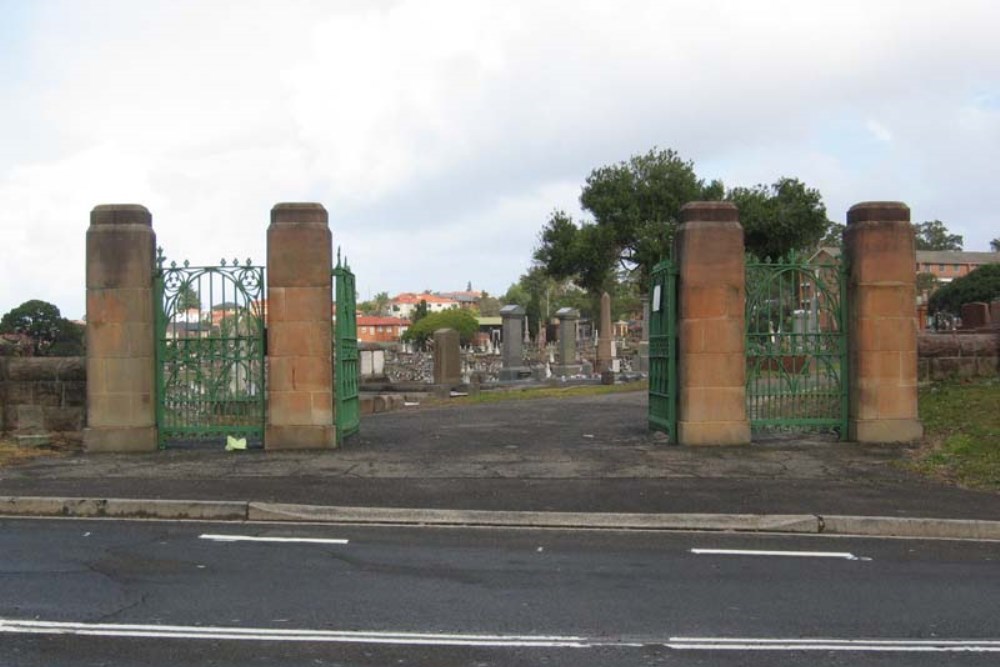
(375, 329)
(403, 305)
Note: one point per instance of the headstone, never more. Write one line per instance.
(447, 360)
(975, 315)
(995, 313)
(605, 348)
(513, 341)
(568, 365)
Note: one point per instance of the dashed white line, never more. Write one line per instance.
(795, 554)
(286, 540)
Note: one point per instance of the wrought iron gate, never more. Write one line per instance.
(796, 345)
(663, 349)
(347, 405)
(209, 352)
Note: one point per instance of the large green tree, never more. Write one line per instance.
(995, 244)
(636, 208)
(780, 218)
(934, 235)
(48, 330)
(981, 284)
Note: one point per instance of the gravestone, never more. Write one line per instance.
(513, 341)
(447, 359)
(605, 344)
(975, 315)
(568, 364)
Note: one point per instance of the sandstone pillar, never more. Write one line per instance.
(568, 320)
(121, 347)
(513, 344)
(711, 336)
(447, 358)
(299, 336)
(882, 326)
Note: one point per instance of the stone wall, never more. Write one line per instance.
(42, 398)
(941, 356)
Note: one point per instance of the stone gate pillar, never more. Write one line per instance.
(882, 323)
(569, 318)
(121, 352)
(711, 337)
(299, 329)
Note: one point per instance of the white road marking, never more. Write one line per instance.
(27, 627)
(868, 645)
(251, 538)
(798, 554)
(282, 635)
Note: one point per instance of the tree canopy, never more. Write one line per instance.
(981, 284)
(48, 330)
(934, 235)
(462, 321)
(636, 209)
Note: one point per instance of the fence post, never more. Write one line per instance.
(121, 348)
(882, 323)
(711, 333)
(299, 322)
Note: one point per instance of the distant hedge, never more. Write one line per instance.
(462, 321)
(982, 284)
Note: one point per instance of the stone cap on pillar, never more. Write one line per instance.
(299, 213)
(878, 211)
(709, 211)
(568, 314)
(512, 310)
(121, 214)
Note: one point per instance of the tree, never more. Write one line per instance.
(377, 305)
(462, 321)
(420, 312)
(48, 330)
(780, 218)
(834, 234)
(636, 207)
(933, 235)
(981, 284)
(926, 282)
(187, 298)
(489, 306)
(995, 244)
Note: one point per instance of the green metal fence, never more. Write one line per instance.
(347, 405)
(209, 352)
(663, 349)
(796, 345)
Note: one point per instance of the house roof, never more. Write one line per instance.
(934, 256)
(410, 297)
(375, 320)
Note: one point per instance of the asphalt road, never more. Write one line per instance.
(76, 592)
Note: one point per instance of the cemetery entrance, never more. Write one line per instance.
(210, 370)
(796, 346)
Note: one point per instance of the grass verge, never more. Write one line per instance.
(11, 453)
(498, 395)
(961, 433)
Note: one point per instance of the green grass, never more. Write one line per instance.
(498, 395)
(961, 433)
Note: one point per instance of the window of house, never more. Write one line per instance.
(941, 267)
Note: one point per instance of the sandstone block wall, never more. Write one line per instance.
(946, 355)
(42, 397)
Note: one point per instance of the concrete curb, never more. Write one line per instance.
(791, 523)
(208, 510)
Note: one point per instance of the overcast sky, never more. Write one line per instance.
(440, 135)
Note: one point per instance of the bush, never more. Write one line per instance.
(461, 321)
(982, 284)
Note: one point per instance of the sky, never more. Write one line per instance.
(440, 136)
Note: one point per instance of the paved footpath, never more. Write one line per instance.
(584, 455)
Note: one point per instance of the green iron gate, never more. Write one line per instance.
(347, 405)
(209, 352)
(663, 349)
(796, 345)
